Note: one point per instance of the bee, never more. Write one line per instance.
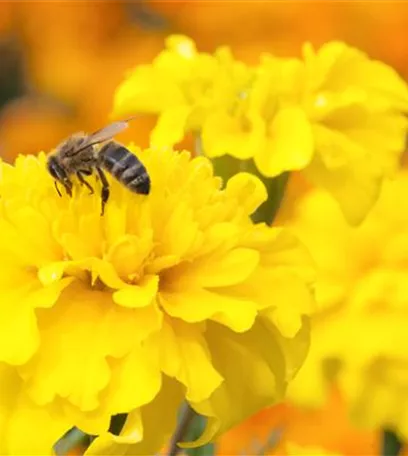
(81, 155)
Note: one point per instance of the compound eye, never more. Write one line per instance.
(54, 169)
(53, 172)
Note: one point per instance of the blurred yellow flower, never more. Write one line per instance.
(135, 311)
(335, 114)
(360, 333)
(356, 107)
(183, 85)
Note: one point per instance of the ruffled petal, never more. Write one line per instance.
(184, 355)
(269, 360)
(140, 295)
(170, 127)
(158, 421)
(223, 134)
(291, 144)
(135, 381)
(355, 186)
(81, 375)
(146, 91)
(25, 427)
(196, 305)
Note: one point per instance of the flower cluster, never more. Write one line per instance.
(335, 113)
(360, 332)
(167, 297)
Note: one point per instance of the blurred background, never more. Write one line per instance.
(61, 62)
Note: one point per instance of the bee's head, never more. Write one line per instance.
(59, 174)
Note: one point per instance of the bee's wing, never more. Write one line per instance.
(105, 133)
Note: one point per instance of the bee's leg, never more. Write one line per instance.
(84, 182)
(56, 188)
(105, 188)
(68, 186)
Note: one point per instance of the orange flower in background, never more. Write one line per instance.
(6, 15)
(62, 42)
(254, 27)
(27, 122)
(74, 66)
(264, 25)
(273, 429)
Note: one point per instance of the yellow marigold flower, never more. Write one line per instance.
(183, 86)
(360, 333)
(356, 108)
(135, 311)
(335, 114)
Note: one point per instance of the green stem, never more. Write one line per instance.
(391, 444)
(187, 415)
(275, 187)
(74, 438)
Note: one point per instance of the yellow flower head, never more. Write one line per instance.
(356, 108)
(183, 86)
(171, 296)
(360, 333)
(334, 114)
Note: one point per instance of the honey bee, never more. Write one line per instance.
(81, 155)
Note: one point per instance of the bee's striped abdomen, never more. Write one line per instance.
(125, 167)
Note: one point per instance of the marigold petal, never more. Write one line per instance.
(173, 240)
(129, 254)
(46, 247)
(161, 263)
(77, 374)
(18, 414)
(385, 80)
(217, 270)
(290, 146)
(135, 381)
(145, 90)
(248, 190)
(340, 66)
(269, 361)
(159, 420)
(293, 299)
(170, 127)
(51, 272)
(184, 355)
(223, 134)
(195, 304)
(222, 235)
(140, 295)
(110, 444)
(19, 337)
(133, 325)
(355, 186)
(105, 271)
(20, 248)
(336, 149)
